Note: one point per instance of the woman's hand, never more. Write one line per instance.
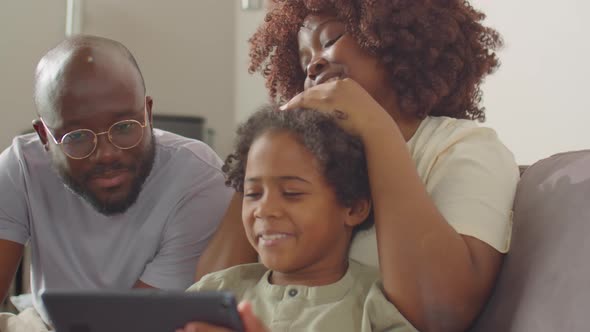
(352, 105)
(249, 320)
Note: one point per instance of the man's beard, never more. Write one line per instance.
(114, 207)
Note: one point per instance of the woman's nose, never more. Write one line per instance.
(316, 67)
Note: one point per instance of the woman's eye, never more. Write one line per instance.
(252, 194)
(304, 64)
(331, 41)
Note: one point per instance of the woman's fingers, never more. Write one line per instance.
(320, 97)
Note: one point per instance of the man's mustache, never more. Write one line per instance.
(102, 170)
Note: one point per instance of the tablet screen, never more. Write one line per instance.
(138, 310)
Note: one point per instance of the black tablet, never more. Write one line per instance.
(138, 310)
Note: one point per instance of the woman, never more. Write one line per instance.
(405, 77)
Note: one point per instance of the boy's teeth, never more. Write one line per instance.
(270, 237)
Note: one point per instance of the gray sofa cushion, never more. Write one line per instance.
(544, 284)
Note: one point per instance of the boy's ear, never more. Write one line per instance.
(358, 212)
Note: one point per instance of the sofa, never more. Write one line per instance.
(544, 284)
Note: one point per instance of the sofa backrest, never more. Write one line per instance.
(544, 284)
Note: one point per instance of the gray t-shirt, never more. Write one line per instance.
(158, 240)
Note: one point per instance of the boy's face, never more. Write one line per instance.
(290, 213)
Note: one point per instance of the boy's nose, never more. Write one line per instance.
(268, 207)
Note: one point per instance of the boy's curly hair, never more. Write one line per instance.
(437, 52)
(340, 155)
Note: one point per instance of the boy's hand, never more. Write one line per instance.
(249, 319)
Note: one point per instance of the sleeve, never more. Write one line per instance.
(189, 228)
(14, 216)
(381, 315)
(473, 184)
(210, 282)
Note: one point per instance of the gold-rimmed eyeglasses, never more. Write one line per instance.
(81, 143)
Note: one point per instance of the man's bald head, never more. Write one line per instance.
(92, 84)
(77, 60)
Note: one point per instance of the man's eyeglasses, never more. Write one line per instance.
(81, 143)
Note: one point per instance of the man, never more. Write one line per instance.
(104, 200)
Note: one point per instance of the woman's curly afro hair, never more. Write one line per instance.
(340, 156)
(437, 51)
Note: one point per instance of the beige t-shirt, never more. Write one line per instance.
(471, 177)
(355, 303)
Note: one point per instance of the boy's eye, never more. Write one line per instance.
(252, 194)
(292, 194)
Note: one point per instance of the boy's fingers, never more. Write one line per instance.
(249, 319)
(203, 327)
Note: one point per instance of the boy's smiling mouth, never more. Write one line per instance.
(269, 239)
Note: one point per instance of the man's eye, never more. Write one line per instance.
(124, 126)
(75, 137)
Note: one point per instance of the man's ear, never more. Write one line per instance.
(40, 129)
(358, 212)
(149, 103)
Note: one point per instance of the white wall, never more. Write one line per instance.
(539, 99)
(185, 49)
(194, 56)
(250, 90)
(28, 29)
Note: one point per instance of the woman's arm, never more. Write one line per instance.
(437, 278)
(229, 246)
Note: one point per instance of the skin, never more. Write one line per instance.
(351, 62)
(10, 255)
(89, 83)
(250, 322)
(92, 88)
(437, 278)
(286, 194)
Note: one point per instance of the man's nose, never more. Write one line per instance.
(105, 150)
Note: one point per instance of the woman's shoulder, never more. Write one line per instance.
(441, 130)
(439, 138)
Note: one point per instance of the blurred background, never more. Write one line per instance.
(193, 54)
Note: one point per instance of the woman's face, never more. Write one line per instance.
(327, 52)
